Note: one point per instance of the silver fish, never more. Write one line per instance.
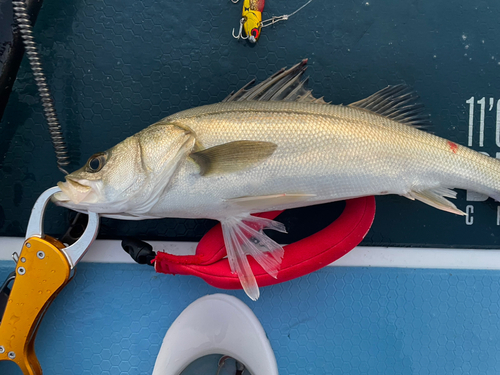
(274, 147)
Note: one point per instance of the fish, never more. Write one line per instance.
(275, 146)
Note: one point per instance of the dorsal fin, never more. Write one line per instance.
(398, 103)
(284, 85)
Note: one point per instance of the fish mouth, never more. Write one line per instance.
(72, 191)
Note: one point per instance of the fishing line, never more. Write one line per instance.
(26, 30)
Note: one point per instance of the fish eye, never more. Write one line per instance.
(96, 162)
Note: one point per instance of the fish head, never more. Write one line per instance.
(253, 25)
(128, 178)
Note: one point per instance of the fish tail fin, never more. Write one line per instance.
(245, 236)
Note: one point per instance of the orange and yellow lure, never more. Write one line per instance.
(251, 22)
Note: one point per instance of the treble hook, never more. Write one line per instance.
(235, 1)
(240, 33)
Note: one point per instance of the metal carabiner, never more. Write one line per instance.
(41, 258)
(76, 251)
(285, 17)
(274, 19)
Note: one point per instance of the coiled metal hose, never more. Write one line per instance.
(26, 30)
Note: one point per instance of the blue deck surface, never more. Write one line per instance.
(111, 319)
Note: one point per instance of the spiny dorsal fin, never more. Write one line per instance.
(284, 85)
(398, 103)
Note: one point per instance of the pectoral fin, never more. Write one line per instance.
(265, 201)
(233, 156)
(245, 236)
(436, 198)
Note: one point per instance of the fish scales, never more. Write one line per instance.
(334, 152)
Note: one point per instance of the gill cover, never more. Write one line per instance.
(126, 181)
(160, 159)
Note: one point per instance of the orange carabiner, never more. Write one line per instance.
(42, 271)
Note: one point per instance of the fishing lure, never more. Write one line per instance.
(251, 22)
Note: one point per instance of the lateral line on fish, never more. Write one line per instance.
(326, 116)
(446, 148)
(418, 127)
(457, 155)
(250, 110)
(299, 112)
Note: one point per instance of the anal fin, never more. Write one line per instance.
(244, 236)
(436, 198)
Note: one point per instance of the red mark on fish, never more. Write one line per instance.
(453, 146)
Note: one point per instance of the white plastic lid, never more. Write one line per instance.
(216, 324)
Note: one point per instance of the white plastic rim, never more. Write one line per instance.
(110, 251)
(216, 324)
